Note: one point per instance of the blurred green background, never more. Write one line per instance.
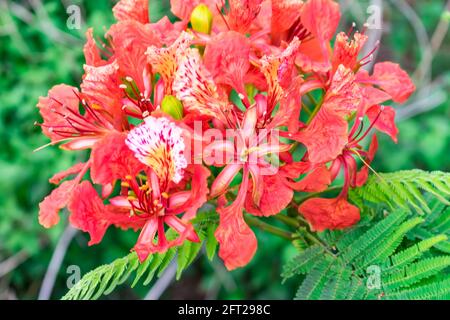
(38, 50)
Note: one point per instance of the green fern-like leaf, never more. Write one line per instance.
(303, 262)
(437, 223)
(415, 272)
(382, 250)
(104, 279)
(186, 255)
(371, 263)
(338, 285)
(433, 291)
(405, 189)
(210, 242)
(374, 235)
(311, 288)
(416, 251)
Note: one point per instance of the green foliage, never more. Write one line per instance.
(351, 267)
(33, 60)
(436, 223)
(104, 279)
(405, 189)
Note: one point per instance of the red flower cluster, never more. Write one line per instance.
(242, 67)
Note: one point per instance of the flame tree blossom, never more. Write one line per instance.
(252, 68)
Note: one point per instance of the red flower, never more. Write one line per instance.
(391, 78)
(317, 24)
(248, 155)
(242, 13)
(329, 213)
(245, 73)
(132, 10)
(158, 143)
(59, 198)
(64, 123)
(89, 214)
(227, 58)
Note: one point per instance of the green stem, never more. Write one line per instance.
(315, 111)
(309, 236)
(313, 239)
(287, 220)
(252, 221)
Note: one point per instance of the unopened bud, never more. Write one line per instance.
(172, 106)
(201, 19)
(250, 89)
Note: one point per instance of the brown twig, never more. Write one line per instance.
(13, 262)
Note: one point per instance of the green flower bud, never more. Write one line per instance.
(201, 19)
(251, 92)
(172, 106)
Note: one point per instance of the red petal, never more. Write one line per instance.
(372, 96)
(88, 212)
(242, 13)
(64, 174)
(312, 57)
(219, 153)
(275, 197)
(131, 40)
(144, 245)
(385, 121)
(58, 199)
(290, 107)
(346, 50)
(237, 241)
(329, 213)
(325, 137)
(132, 10)
(224, 179)
(197, 196)
(194, 86)
(167, 31)
(394, 80)
(321, 18)
(317, 177)
(112, 159)
(279, 70)
(101, 87)
(344, 94)
(227, 58)
(59, 97)
(184, 229)
(284, 14)
(91, 51)
(199, 190)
